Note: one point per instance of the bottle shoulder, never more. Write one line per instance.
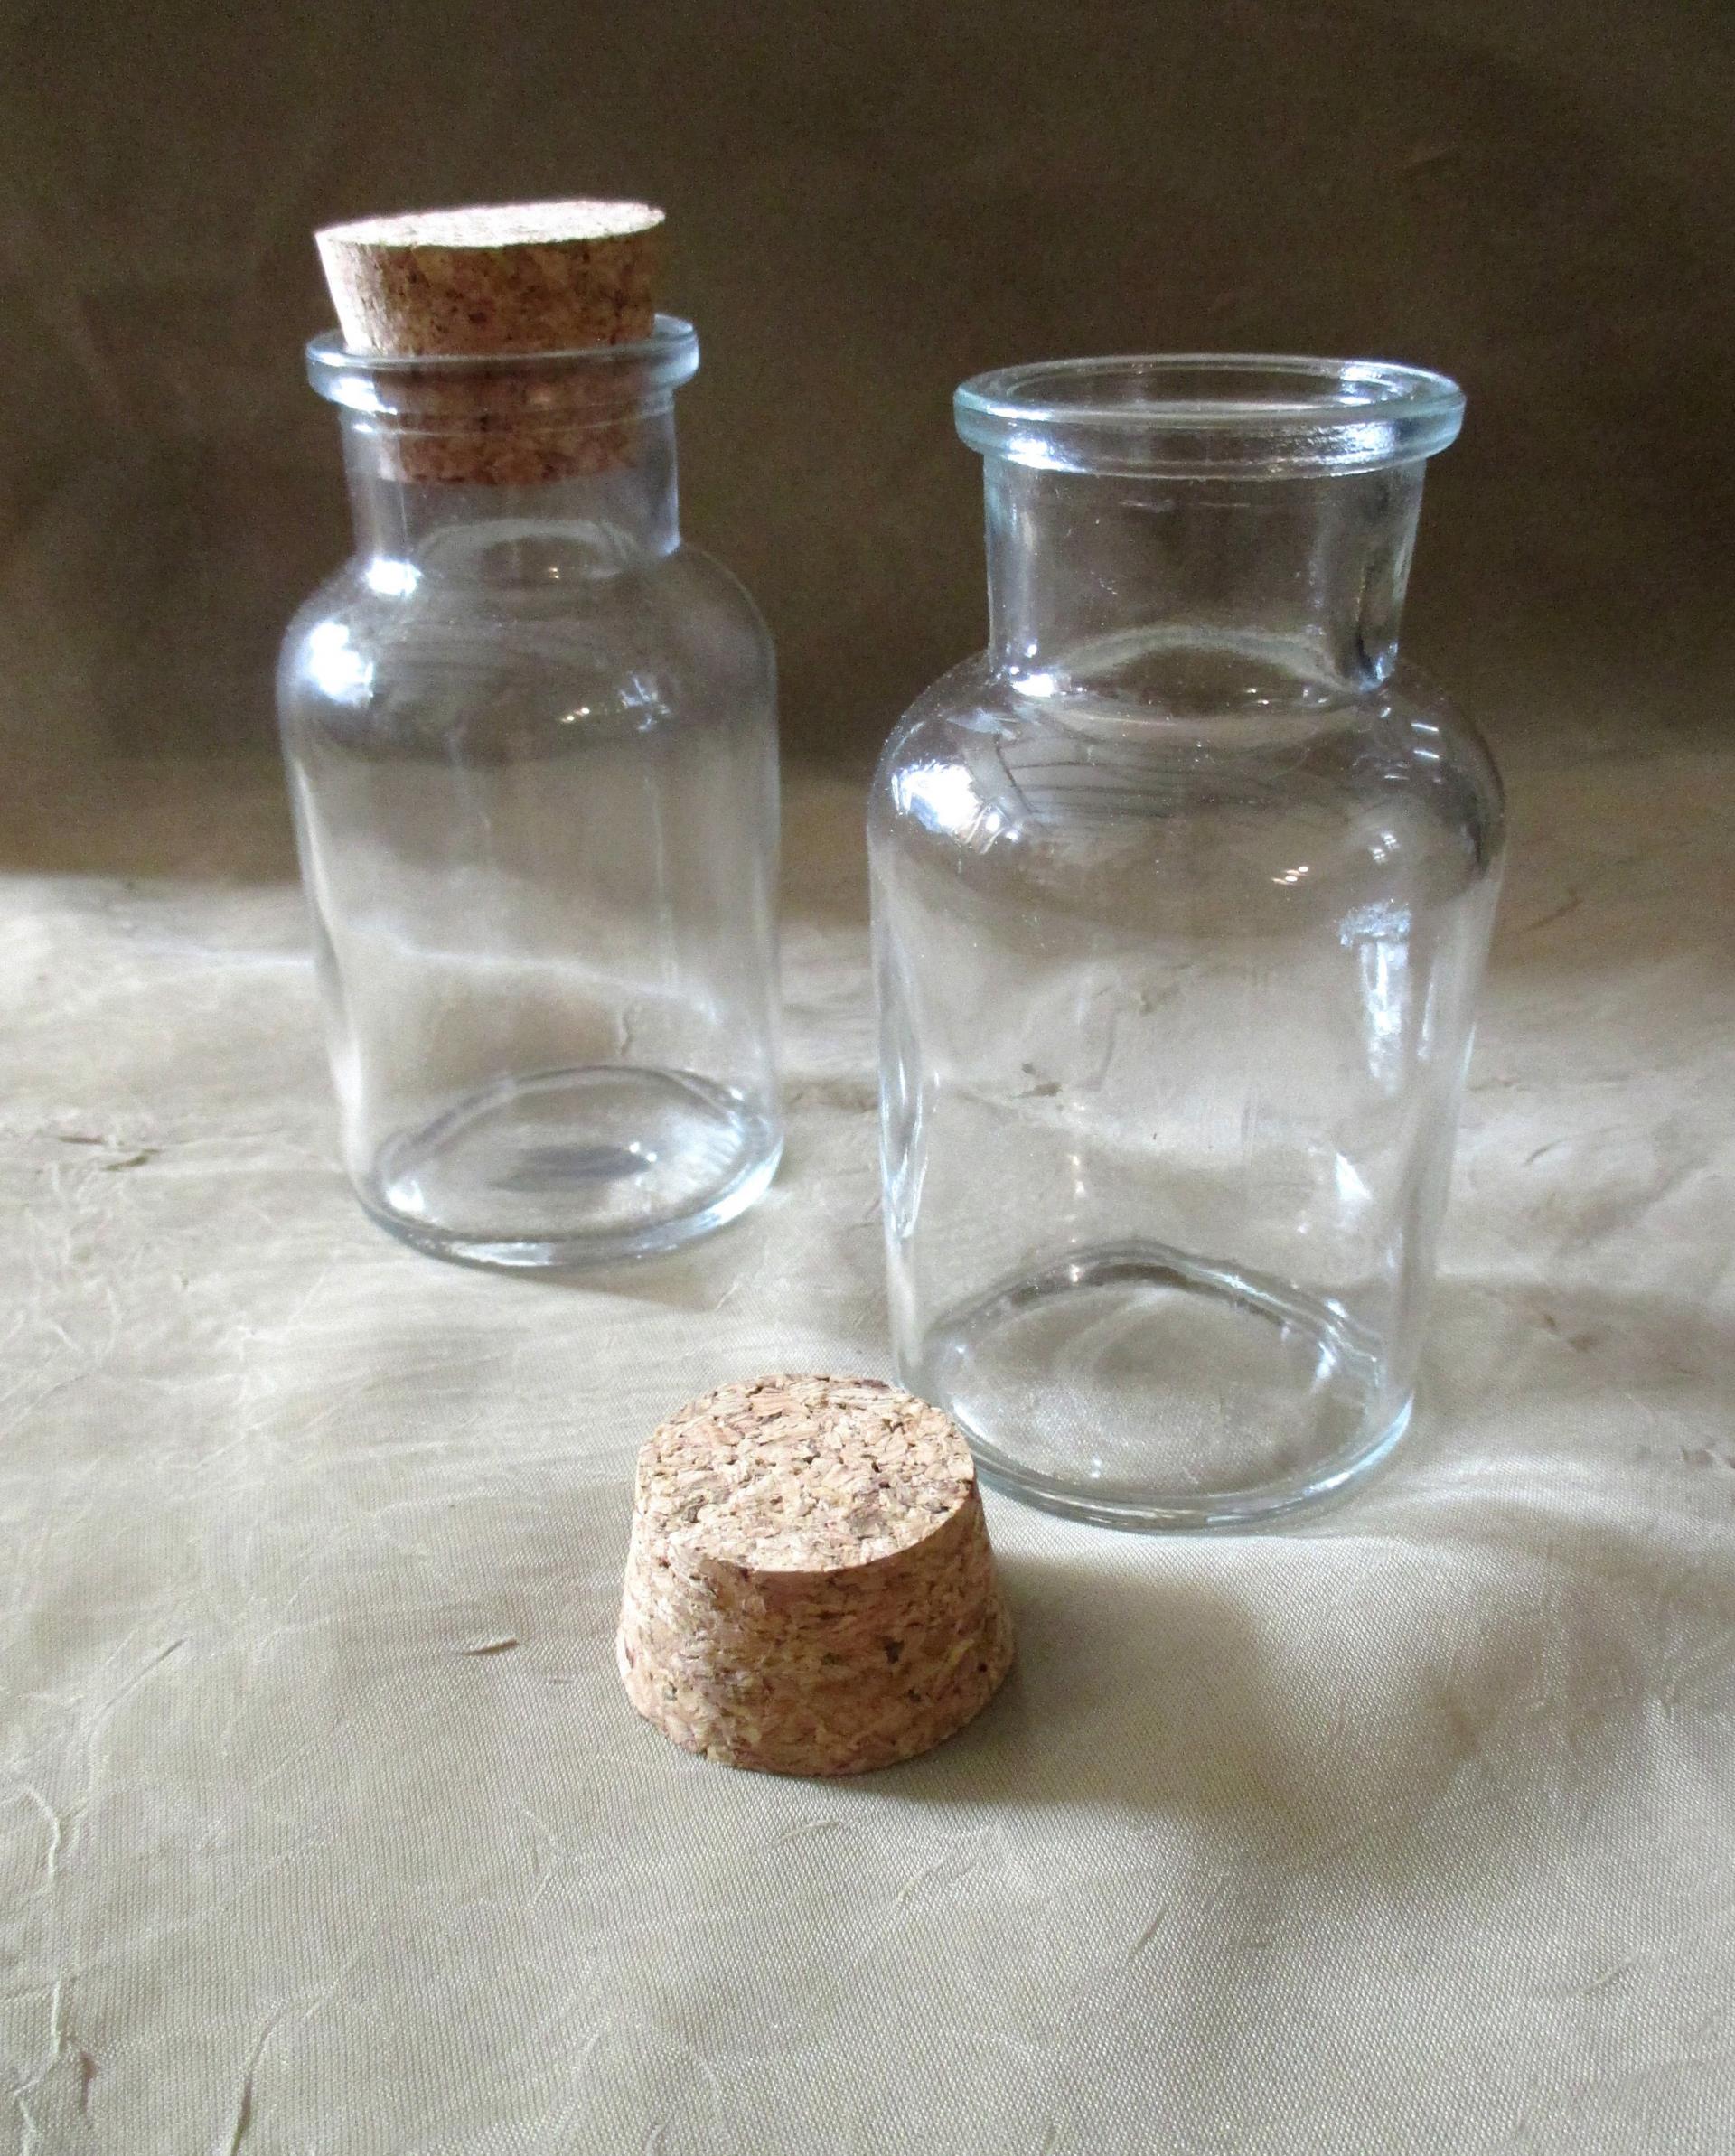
(714, 584)
(671, 595)
(976, 766)
(378, 647)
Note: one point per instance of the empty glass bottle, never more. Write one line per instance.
(1182, 894)
(531, 744)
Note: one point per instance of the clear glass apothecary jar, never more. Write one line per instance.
(531, 744)
(1182, 892)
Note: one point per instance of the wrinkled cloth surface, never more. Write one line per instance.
(325, 1829)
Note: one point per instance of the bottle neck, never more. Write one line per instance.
(595, 521)
(1211, 591)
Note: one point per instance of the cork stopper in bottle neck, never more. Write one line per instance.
(505, 304)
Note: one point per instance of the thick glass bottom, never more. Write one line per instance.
(1138, 1386)
(574, 1168)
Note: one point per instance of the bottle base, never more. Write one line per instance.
(565, 1168)
(1138, 1387)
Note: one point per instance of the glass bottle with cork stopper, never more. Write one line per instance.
(531, 744)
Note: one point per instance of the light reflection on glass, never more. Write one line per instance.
(392, 579)
(339, 671)
(943, 798)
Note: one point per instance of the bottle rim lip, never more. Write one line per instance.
(364, 380)
(1182, 415)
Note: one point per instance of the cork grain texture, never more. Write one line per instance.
(810, 1587)
(510, 282)
(507, 278)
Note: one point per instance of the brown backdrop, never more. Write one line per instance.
(868, 202)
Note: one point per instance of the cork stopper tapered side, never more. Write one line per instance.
(508, 277)
(504, 281)
(810, 1587)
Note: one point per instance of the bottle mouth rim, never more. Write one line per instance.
(373, 381)
(1249, 415)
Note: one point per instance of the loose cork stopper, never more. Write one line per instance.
(810, 1587)
(506, 281)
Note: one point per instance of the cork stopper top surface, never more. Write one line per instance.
(500, 224)
(494, 278)
(801, 1474)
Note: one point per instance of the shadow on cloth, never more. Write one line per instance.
(1302, 1740)
(1469, 1635)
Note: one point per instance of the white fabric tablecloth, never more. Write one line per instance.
(325, 1826)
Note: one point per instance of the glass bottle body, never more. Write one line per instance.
(532, 754)
(1181, 899)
